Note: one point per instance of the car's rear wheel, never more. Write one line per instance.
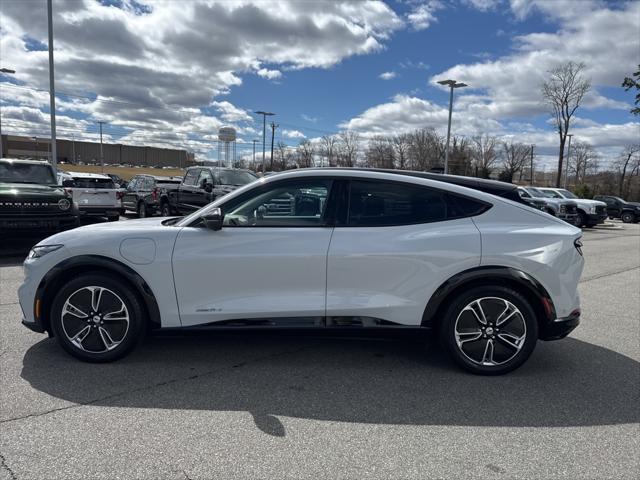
(490, 330)
(628, 217)
(142, 210)
(165, 209)
(96, 318)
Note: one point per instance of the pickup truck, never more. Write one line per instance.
(566, 210)
(590, 212)
(628, 212)
(201, 186)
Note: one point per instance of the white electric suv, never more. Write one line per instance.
(332, 249)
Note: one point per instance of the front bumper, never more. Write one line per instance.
(571, 218)
(560, 327)
(23, 225)
(596, 218)
(34, 326)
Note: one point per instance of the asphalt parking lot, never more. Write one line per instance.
(268, 407)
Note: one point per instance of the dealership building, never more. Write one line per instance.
(74, 151)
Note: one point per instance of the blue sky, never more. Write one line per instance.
(171, 73)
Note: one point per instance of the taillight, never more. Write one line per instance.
(578, 244)
(119, 195)
(154, 194)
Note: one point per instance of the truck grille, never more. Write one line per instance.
(571, 209)
(601, 209)
(25, 206)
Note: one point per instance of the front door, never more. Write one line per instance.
(265, 262)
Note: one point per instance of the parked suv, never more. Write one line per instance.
(628, 212)
(356, 251)
(203, 185)
(95, 194)
(144, 192)
(590, 212)
(566, 210)
(31, 201)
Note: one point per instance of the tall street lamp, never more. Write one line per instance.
(264, 131)
(6, 71)
(452, 84)
(52, 89)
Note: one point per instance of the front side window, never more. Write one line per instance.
(293, 204)
(133, 184)
(235, 177)
(553, 193)
(204, 178)
(567, 193)
(385, 203)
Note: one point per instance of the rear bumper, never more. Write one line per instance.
(560, 327)
(103, 211)
(34, 326)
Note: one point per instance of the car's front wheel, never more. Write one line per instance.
(165, 209)
(96, 318)
(490, 330)
(628, 217)
(142, 210)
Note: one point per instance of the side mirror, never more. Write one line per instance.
(208, 187)
(213, 220)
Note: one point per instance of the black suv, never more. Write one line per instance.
(31, 201)
(144, 192)
(628, 212)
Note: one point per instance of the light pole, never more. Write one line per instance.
(566, 168)
(6, 71)
(452, 84)
(254, 152)
(101, 153)
(52, 89)
(264, 131)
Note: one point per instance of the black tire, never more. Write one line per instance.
(165, 209)
(582, 219)
(507, 358)
(125, 335)
(142, 210)
(628, 217)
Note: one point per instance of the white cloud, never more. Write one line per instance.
(483, 5)
(293, 134)
(156, 69)
(269, 74)
(309, 118)
(231, 113)
(387, 75)
(423, 15)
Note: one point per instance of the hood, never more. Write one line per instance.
(31, 189)
(586, 201)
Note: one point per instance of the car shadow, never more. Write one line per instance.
(567, 383)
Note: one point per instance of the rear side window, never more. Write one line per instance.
(374, 203)
(102, 183)
(191, 176)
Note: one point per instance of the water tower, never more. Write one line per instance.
(227, 146)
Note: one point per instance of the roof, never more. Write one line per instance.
(25, 161)
(89, 175)
(160, 178)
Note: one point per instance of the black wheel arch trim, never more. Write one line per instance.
(97, 263)
(487, 275)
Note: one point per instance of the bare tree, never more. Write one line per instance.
(328, 149)
(347, 147)
(379, 153)
(626, 163)
(283, 157)
(563, 92)
(305, 152)
(426, 149)
(401, 145)
(485, 154)
(583, 158)
(514, 157)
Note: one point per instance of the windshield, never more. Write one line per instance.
(538, 193)
(27, 173)
(566, 193)
(230, 177)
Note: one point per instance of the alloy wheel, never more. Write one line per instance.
(95, 319)
(490, 331)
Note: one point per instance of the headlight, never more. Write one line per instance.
(41, 250)
(592, 209)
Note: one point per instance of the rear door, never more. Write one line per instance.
(394, 246)
(94, 192)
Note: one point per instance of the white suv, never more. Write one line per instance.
(95, 194)
(356, 250)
